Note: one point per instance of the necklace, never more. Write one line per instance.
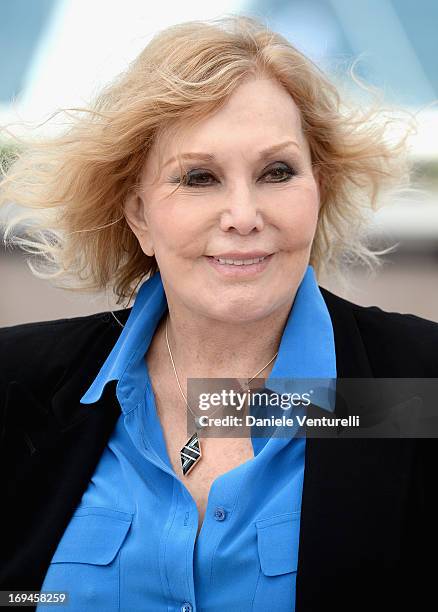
(191, 453)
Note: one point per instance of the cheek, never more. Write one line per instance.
(178, 230)
(298, 218)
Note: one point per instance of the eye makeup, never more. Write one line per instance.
(280, 172)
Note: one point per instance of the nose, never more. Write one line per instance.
(241, 212)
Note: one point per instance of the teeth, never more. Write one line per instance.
(239, 262)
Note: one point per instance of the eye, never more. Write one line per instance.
(280, 173)
(194, 178)
(197, 178)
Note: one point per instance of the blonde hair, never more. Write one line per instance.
(73, 186)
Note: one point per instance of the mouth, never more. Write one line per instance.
(240, 262)
(240, 267)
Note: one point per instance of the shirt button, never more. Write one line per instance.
(186, 607)
(219, 514)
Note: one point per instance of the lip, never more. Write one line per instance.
(233, 271)
(240, 255)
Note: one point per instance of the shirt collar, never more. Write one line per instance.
(307, 347)
(132, 344)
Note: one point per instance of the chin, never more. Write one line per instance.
(240, 312)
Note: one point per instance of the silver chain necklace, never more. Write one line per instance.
(191, 453)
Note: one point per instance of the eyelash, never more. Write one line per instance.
(176, 179)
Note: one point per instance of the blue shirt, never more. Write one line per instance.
(131, 543)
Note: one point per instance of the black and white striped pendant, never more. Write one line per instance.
(190, 453)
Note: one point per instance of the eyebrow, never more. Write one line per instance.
(210, 157)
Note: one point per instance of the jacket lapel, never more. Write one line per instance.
(353, 495)
(51, 451)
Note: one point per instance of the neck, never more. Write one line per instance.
(207, 348)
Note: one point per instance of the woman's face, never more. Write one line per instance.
(237, 202)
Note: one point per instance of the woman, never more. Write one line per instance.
(222, 168)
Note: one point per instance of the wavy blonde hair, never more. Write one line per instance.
(73, 186)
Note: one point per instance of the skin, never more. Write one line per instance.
(219, 326)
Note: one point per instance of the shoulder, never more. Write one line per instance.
(374, 318)
(31, 350)
(388, 336)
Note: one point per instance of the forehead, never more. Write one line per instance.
(259, 113)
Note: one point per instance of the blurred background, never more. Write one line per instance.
(58, 53)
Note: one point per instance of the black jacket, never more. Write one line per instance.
(368, 538)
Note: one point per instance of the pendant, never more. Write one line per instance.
(191, 453)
